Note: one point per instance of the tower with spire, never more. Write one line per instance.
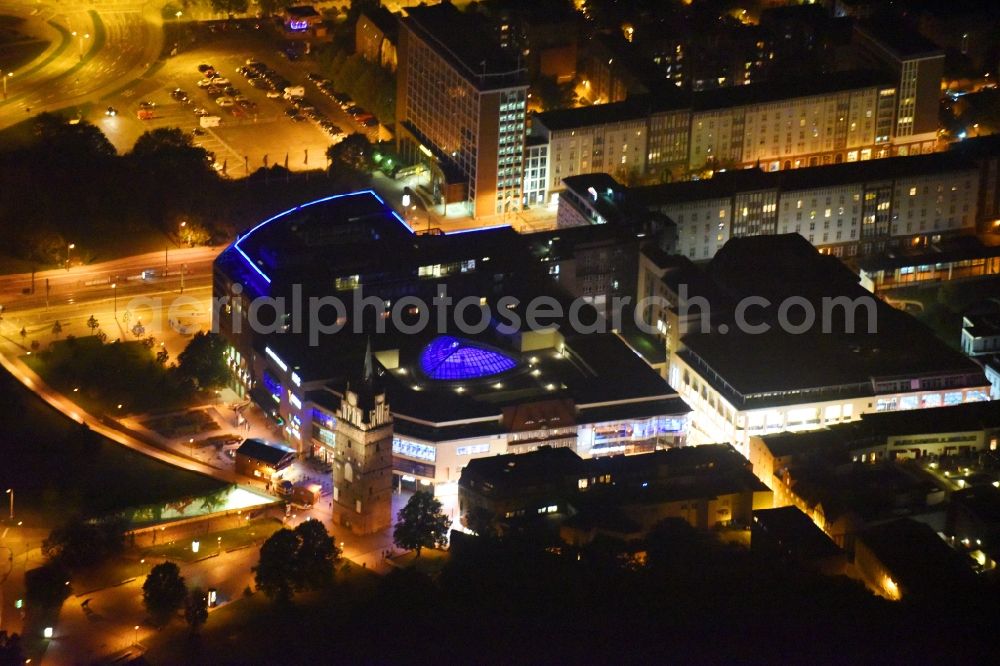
(362, 464)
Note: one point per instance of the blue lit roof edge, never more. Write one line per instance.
(236, 243)
(475, 229)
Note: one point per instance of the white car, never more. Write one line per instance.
(204, 83)
(220, 81)
(273, 94)
(225, 102)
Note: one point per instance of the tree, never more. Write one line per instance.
(47, 586)
(168, 150)
(353, 153)
(421, 524)
(481, 521)
(229, 7)
(93, 324)
(315, 556)
(10, 649)
(270, 7)
(554, 95)
(196, 609)
(80, 544)
(163, 592)
(275, 573)
(203, 361)
(293, 560)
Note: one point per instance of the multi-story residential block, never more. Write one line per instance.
(839, 118)
(460, 108)
(917, 65)
(375, 36)
(609, 138)
(844, 210)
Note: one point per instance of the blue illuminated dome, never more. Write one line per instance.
(449, 358)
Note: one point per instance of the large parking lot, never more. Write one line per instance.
(263, 129)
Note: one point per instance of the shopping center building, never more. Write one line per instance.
(454, 392)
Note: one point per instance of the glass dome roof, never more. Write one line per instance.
(450, 358)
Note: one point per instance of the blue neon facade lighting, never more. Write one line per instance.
(450, 359)
(477, 229)
(250, 262)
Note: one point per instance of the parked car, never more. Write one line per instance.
(371, 121)
(200, 111)
(314, 77)
(220, 81)
(273, 94)
(204, 83)
(225, 102)
(179, 95)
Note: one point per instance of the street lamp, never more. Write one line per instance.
(5, 77)
(135, 640)
(10, 491)
(114, 290)
(69, 247)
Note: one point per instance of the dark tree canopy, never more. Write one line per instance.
(164, 591)
(47, 586)
(275, 573)
(230, 6)
(85, 543)
(421, 524)
(196, 609)
(315, 556)
(353, 153)
(10, 649)
(293, 560)
(203, 360)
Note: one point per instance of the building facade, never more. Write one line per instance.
(460, 108)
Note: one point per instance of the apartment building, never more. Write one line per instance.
(917, 65)
(460, 109)
(844, 210)
(608, 138)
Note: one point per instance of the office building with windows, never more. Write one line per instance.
(460, 108)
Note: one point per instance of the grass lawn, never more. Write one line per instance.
(100, 376)
(58, 468)
(180, 551)
(430, 561)
(254, 630)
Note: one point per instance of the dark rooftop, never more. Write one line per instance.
(962, 248)
(901, 39)
(270, 453)
(779, 367)
(302, 11)
(461, 39)
(795, 533)
(728, 183)
(596, 114)
(759, 93)
(918, 560)
(384, 20)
